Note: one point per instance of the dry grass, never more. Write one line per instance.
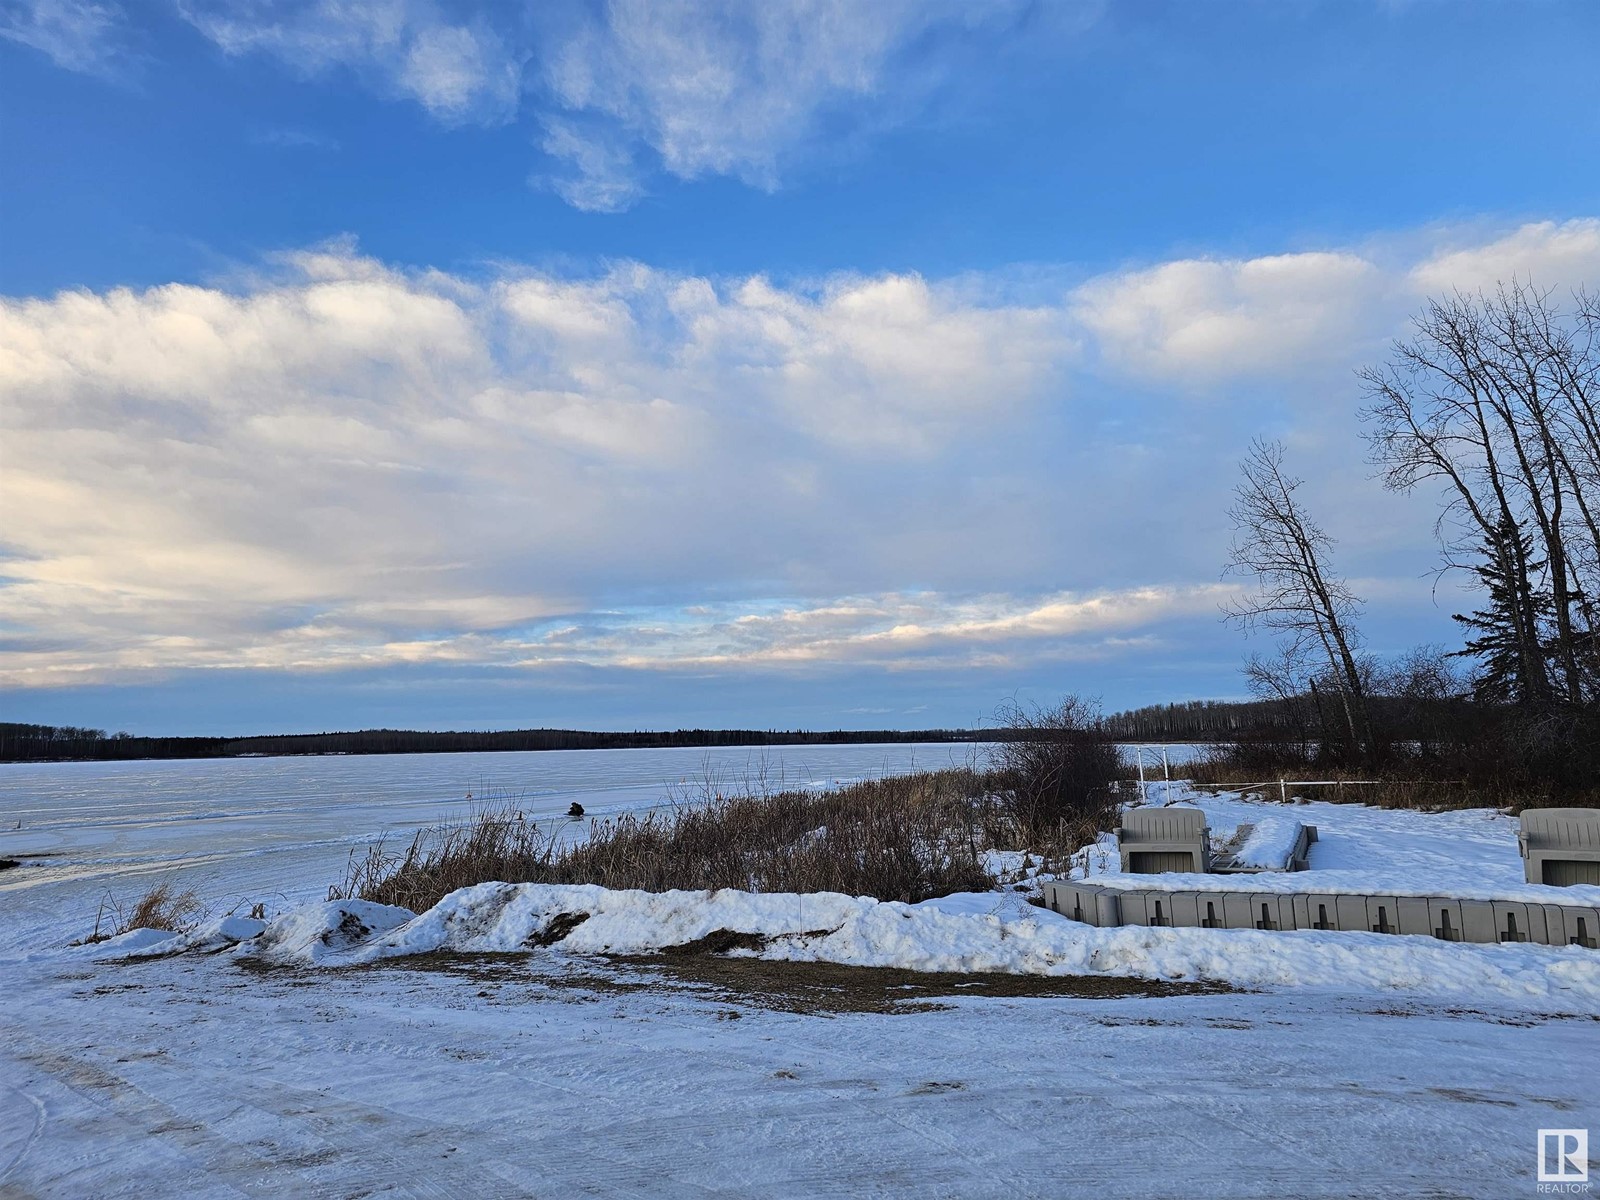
(1396, 790)
(162, 907)
(908, 838)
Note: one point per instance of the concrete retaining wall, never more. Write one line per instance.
(1442, 917)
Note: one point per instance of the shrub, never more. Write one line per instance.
(1056, 767)
(907, 838)
(161, 907)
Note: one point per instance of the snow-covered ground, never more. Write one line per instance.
(1471, 854)
(339, 1057)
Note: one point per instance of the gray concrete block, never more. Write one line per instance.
(1412, 915)
(1272, 911)
(1444, 919)
(1314, 910)
(1186, 909)
(1144, 908)
(1351, 914)
(1084, 902)
(1383, 914)
(1571, 925)
(1237, 911)
(1477, 922)
(1513, 924)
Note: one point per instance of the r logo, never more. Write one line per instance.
(1563, 1156)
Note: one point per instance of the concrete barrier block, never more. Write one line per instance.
(1237, 911)
(1084, 902)
(1512, 923)
(1383, 914)
(1210, 907)
(1444, 919)
(1555, 924)
(1580, 927)
(1145, 908)
(1317, 911)
(1061, 897)
(1477, 922)
(1185, 909)
(1351, 914)
(1412, 915)
(1271, 910)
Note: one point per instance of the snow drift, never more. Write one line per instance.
(964, 933)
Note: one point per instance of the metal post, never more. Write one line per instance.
(1166, 775)
(1138, 754)
(1283, 792)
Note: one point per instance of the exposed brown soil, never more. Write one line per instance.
(817, 988)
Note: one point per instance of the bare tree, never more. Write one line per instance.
(1285, 679)
(1278, 545)
(1496, 399)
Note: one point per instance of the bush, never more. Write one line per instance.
(161, 907)
(909, 838)
(1056, 768)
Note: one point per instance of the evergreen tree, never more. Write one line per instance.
(1509, 636)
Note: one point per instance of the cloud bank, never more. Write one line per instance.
(333, 461)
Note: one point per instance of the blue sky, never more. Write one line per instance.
(813, 364)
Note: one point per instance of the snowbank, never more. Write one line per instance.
(326, 932)
(973, 932)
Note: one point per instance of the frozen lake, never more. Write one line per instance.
(286, 826)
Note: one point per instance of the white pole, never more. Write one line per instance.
(1138, 752)
(1166, 774)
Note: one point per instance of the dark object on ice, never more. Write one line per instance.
(576, 810)
(7, 863)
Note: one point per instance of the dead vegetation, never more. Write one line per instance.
(908, 838)
(162, 907)
(1390, 787)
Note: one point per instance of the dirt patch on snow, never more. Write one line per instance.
(817, 988)
(822, 987)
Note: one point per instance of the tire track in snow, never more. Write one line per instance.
(31, 1136)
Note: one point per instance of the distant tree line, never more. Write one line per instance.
(24, 743)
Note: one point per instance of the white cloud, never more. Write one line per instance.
(603, 175)
(729, 88)
(1203, 319)
(627, 87)
(1549, 253)
(78, 35)
(337, 462)
(620, 89)
(351, 448)
(459, 70)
